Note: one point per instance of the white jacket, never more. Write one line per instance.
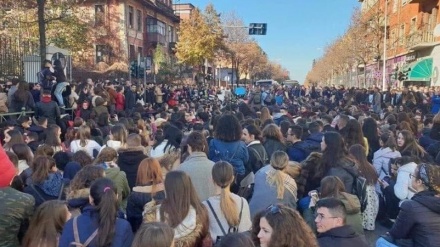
(403, 183)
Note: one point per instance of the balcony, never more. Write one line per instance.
(420, 39)
(156, 38)
(417, 1)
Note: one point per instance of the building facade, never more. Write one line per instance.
(412, 42)
(126, 31)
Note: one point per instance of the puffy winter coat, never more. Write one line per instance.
(419, 220)
(381, 160)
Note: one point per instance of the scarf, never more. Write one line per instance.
(52, 185)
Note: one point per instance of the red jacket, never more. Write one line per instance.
(120, 102)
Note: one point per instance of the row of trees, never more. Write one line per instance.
(360, 45)
(223, 41)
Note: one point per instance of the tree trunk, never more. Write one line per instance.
(42, 30)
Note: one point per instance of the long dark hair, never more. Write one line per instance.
(47, 223)
(103, 192)
(173, 135)
(353, 133)
(358, 153)
(52, 137)
(335, 152)
(369, 129)
(22, 92)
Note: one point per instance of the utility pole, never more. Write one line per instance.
(384, 66)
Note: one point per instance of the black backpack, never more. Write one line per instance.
(359, 189)
(232, 229)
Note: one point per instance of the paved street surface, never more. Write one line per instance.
(372, 236)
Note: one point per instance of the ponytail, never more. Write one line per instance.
(278, 180)
(223, 176)
(104, 195)
(229, 208)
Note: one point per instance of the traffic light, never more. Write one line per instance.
(403, 76)
(134, 69)
(257, 28)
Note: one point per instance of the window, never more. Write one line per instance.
(402, 35)
(132, 53)
(413, 25)
(101, 53)
(393, 38)
(151, 25)
(161, 29)
(139, 20)
(130, 17)
(170, 37)
(140, 51)
(99, 14)
(155, 26)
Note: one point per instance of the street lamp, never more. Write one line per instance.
(384, 67)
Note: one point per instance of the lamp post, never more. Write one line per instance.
(384, 65)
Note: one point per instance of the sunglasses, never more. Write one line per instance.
(273, 209)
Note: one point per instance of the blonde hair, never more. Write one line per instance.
(84, 135)
(223, 176)
(278, 161)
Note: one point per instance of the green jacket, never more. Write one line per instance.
(120, 179)
(16, 209)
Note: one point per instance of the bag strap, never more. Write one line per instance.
(76, 234)
(216, 218)
(75, 229)
(38, 193)
(255, 152)
(61, 191)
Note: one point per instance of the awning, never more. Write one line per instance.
(421, 70)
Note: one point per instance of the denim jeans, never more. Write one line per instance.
(381, 242)
(58, 92)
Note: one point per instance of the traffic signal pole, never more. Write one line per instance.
(384, 68)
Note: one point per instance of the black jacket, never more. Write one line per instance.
(136, 202)
(419, 220)
(343, 236)
(129, 160)
(257, 157)
(272, 145)
(50, 110)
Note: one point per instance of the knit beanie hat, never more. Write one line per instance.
(7, 169)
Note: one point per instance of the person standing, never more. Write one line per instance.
(198, 166)
(16, 208)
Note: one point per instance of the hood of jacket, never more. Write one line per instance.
(315, 137)
(429, 200)
(386, 153)
(112, 173)
(340, 232)
(351, 203)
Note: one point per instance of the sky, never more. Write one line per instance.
(297, 30)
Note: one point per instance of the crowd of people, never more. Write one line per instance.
(181, 166)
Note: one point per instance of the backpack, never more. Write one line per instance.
(359, 189)
(76, 235)
(257, 99)
(268, 99)
(232, 229)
